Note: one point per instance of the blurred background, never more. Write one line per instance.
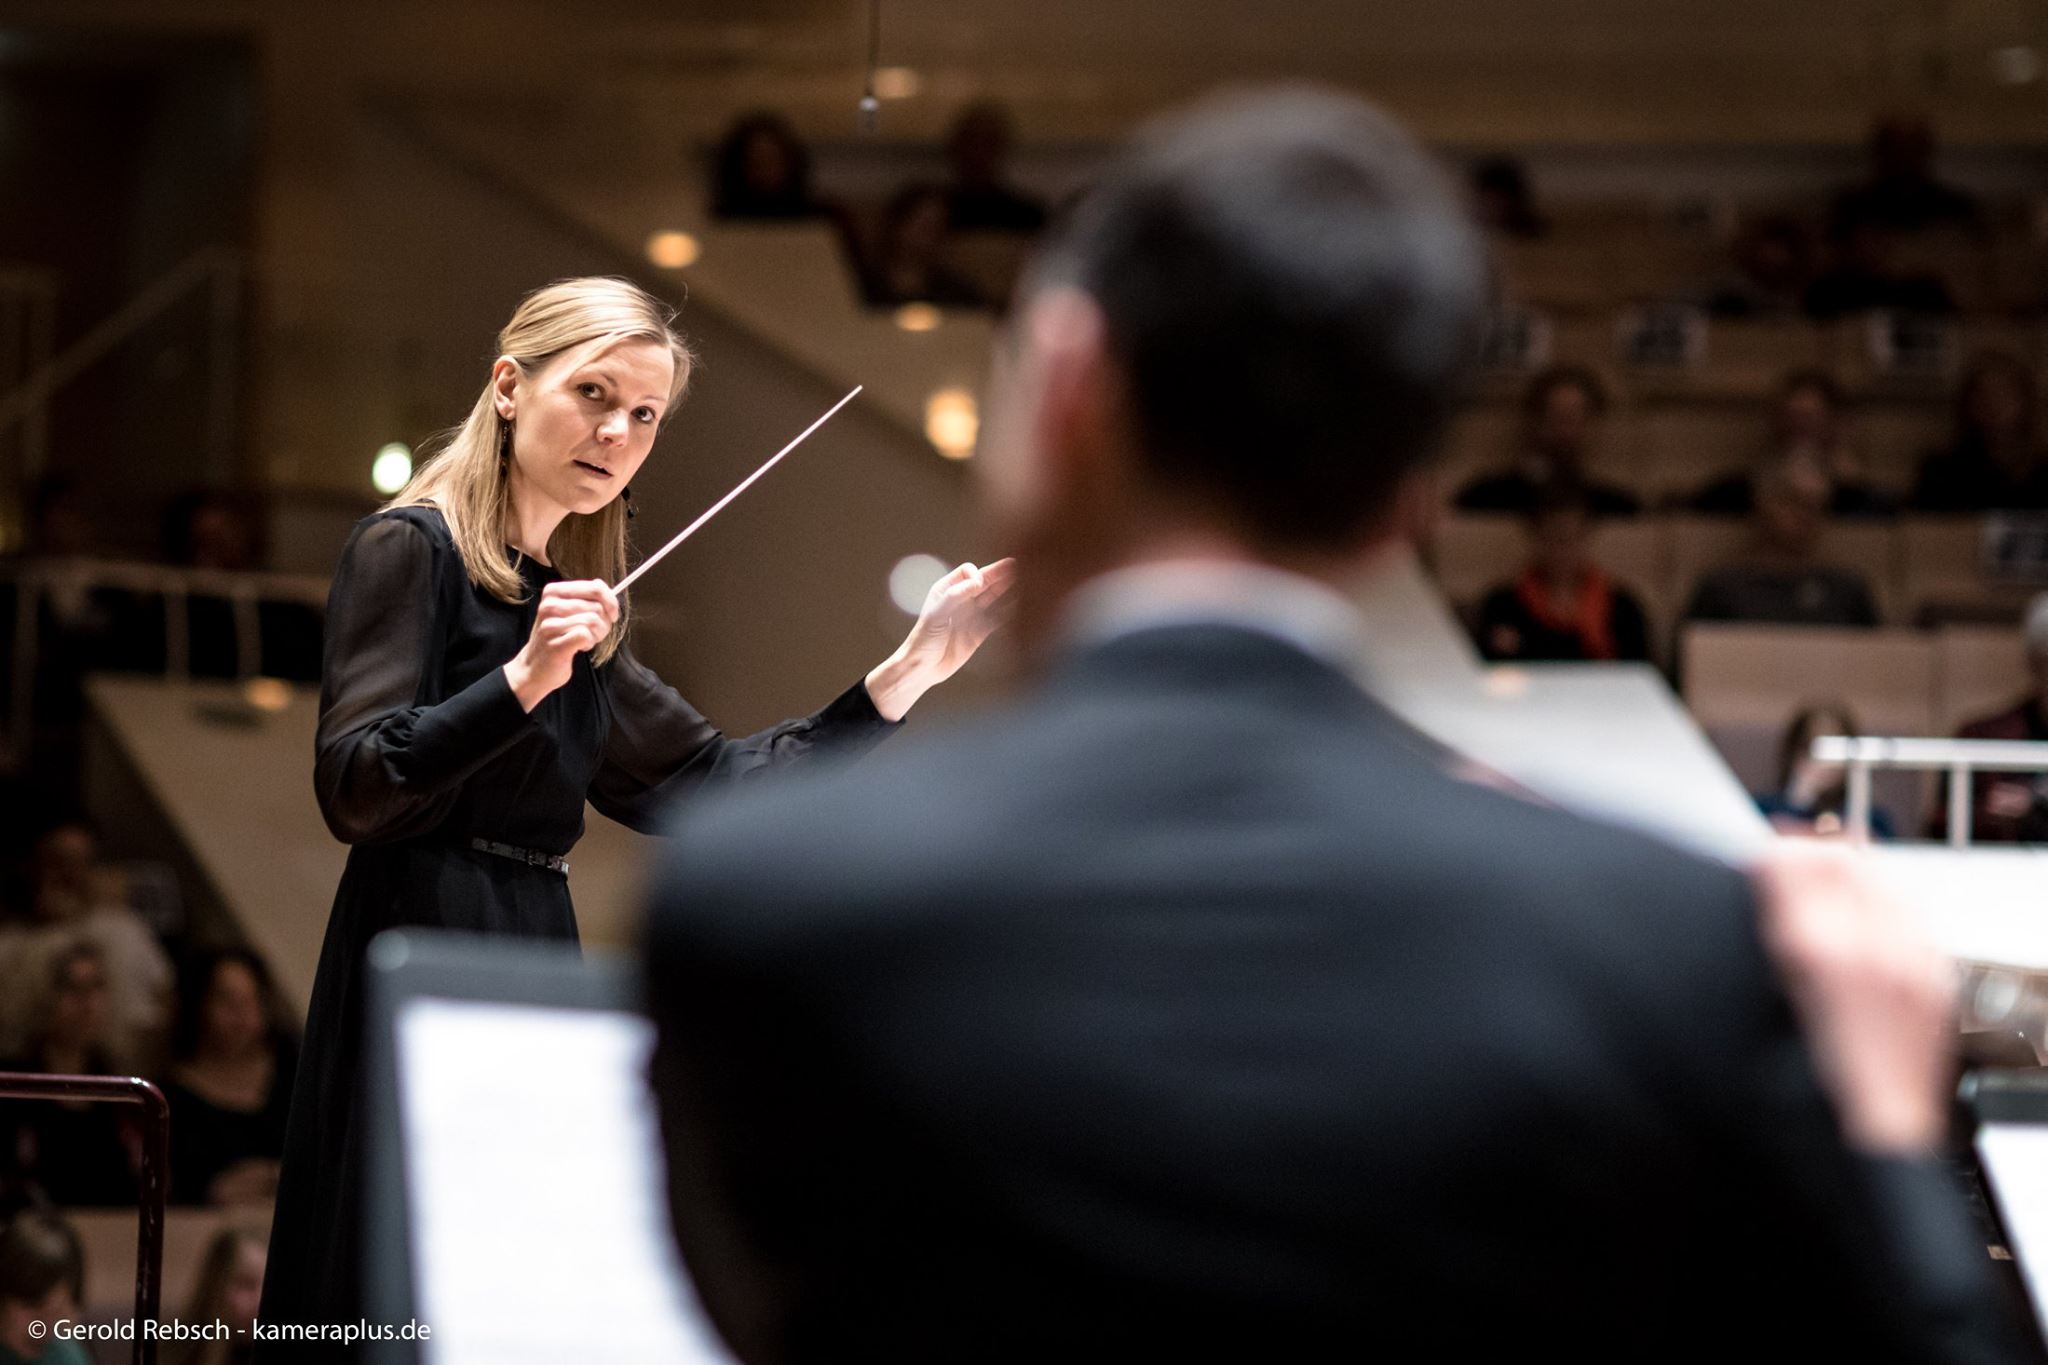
(1759, 406)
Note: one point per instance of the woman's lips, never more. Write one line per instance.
(598, 470)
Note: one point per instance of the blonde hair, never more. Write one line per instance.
(467, 481)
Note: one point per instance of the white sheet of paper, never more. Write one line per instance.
(2015, 1159)
(539, 1225)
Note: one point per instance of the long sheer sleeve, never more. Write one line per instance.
(661, 748)
(387, 767)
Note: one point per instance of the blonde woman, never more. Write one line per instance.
(477, 689)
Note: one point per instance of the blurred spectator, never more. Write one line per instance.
(977, 197)
(1994, 460)
(68, 1153)
(1779, 579)
(74, 896)
(763, 170)
(1866, 275)
(909, 259)
(1563, 606)
(42, 1282)
(1812, 798)
(1902, 193)
(1561, 412)
(229, 1287)
(230, 1083)
(211, 528)
(2012, 807)
(1809, 420)
(1502, 200)
(1774, 266)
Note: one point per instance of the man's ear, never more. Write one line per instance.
(1078, 408)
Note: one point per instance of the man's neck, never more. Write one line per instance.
(1200, 578)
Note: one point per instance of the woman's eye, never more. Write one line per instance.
(644, 414)
(590, 390)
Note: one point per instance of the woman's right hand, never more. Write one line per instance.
(573, 617)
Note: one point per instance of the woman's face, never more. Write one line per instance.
(234, 1019)
(583, 423)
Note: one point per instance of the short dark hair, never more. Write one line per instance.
(1292, 293)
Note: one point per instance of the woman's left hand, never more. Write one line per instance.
(961, 610)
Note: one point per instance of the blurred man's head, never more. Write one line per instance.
(1561, 409)
(1902, 147)
(1808, 412)
(42, 1280)
(1243, 341)
(1792, 505)
(979, 145)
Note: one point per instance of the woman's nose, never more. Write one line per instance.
(613, 428)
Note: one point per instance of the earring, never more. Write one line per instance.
(505, 444)
(626, 494)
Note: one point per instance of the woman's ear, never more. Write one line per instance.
(505, 386)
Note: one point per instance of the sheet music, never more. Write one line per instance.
(2015, 1158)
(539, 1225)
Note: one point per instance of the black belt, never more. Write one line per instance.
(532, 857)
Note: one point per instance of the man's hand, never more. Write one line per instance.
(1873, 997)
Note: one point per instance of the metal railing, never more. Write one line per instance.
(1960, 758)
(32, 581)
(156, 1165)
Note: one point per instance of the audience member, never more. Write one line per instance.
(65, 1152)
(1780, 579)
(1809, 420)
(1994, 461)
(1866, 275)
(909, 263)
(1187, 1008)
(211, 528)
(763, 170)
(229, 1287)
(74, 896)
(978, 196)
(42, 1283)
(2012, 807)
(1812, 798)
(1502, 200)
(1561, 411)
(1563, 606)
(230, 1083)
(1902, 193)
(1773, 258)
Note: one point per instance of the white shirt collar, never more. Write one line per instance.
(1307, 614)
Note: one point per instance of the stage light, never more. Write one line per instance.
(897, 83)
(391, 468)
(912, 578)
(267, 694)
(952, 420)
(917, 317)
(2016, 65)
(674, 250)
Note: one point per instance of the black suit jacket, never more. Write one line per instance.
(1187, 1010)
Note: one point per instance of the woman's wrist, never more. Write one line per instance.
(524, 685)
(895, 684)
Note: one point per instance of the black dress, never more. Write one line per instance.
(421, 747)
